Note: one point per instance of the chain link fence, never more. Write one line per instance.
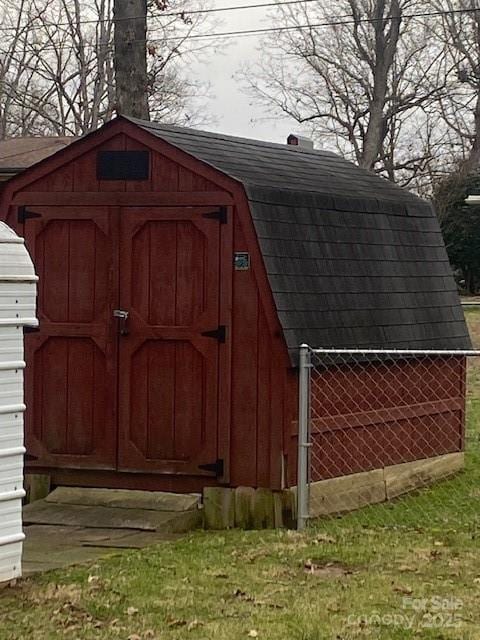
(390, 437)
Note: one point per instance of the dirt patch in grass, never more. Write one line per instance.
(327, 570)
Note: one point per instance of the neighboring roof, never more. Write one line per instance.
(352, 259)
(16, 154)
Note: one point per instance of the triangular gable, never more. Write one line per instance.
(105, 138)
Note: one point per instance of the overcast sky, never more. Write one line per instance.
(231, 108)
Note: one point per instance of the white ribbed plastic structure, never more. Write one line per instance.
(18, 292)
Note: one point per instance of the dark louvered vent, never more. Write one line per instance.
(123, 165)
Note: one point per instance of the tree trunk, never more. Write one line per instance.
(387, 33)
(473, 161)
(131, 80)
(375, 134)
(469, 278)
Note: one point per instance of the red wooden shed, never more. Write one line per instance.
(179, 271)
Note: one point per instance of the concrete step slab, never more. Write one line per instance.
(63, 556)
(54, 513)
(49, 547)
(125, 499)
(132, 540)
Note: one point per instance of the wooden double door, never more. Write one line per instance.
(124, 372)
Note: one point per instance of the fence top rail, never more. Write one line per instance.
(393, 352)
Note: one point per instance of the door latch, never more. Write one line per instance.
(122, 318)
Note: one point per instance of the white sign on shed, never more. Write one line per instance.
(18, 291)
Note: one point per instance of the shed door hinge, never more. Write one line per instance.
(219, 334)
(28, 329)
(216, 467)
(220, 215)
(24, 214)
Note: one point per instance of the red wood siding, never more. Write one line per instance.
(367, 417)
(251, 396)
(256, 421)
(71, 362)
(168, 370)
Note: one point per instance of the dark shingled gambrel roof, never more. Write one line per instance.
(353, 260)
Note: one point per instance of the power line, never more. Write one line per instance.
(179, 14)
(191, 12)
(330, 23)
(266, 30)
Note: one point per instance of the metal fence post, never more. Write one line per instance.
(303, 436)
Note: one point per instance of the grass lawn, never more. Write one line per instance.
(410, 569)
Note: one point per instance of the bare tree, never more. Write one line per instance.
(64, 66)
(459, 107)
(170, 50)
(15, 60)
(356, 80)
(57, 62)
